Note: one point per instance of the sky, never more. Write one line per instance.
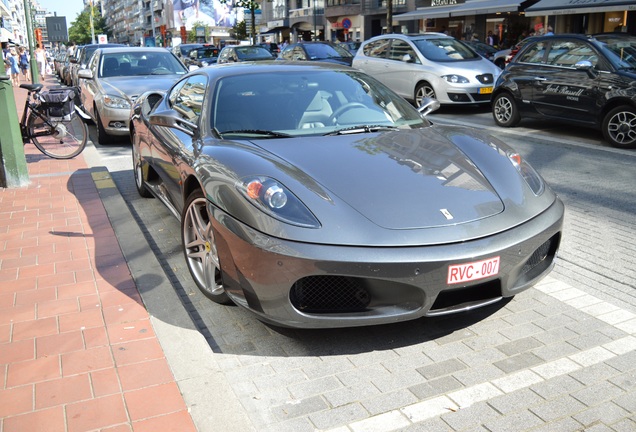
(68, 8)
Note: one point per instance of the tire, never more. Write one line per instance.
(65, 140)
(505, 111)
(138, 172)
(199, 248)
(421, 91)
(102, 137)
(619, 127)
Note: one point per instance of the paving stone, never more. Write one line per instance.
(599, 392)
(557, 386)
(625, 425)
(338, 416)
(389, 401)
(435, 387)
(555, 351)
(518, 346)
(471, 395)
(521, 361)
(607, 413)
(466, 418)
(479, 374)
(297, 408)
(315, 387)
(555, 409)
(517, 381)
(521, 420)
(521, 331)
(446, 367)
(594, 374)
(624, 363)
(509, 403)
(567, 424)
(389, 421)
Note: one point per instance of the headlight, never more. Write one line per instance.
(116, 102)
(456, 79)
(271, 197)
(527, 172)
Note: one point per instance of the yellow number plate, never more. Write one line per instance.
(485, 90)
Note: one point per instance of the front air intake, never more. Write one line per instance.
(329, 294)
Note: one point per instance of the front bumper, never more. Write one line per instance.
(115, 121)
(321, 286)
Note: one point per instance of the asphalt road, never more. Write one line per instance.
(280, 379)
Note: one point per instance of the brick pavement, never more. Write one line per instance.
(78, 351)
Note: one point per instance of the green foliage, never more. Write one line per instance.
(80, 30)
(192, 34)
(239, 31)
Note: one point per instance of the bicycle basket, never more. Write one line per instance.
(58, 104)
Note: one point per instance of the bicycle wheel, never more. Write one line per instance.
(64, 140)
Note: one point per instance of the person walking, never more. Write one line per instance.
(40, 58)
(23, 56)
(14, 69)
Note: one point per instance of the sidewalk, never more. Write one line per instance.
(77, 348)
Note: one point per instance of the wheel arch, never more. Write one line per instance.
(610, 105)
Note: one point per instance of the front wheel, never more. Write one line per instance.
(62, 139)
(199, 248)
(423, 90)
(619, 127)
(504, 110)
(138, 168)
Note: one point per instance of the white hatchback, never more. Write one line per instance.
(428, 65)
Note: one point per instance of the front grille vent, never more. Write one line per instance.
(543, 255)
(327, 294)
(488, 79)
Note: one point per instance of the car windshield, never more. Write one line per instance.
(620, 49)
(207, 52)
(325, 51)
(252, 53)
(444, 50)
(137, 62)
(304, 102)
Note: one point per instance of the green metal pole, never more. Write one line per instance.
(33, 64)
(14, 171)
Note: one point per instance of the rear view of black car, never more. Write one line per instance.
(583, 80)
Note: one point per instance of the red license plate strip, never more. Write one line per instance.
(467, 272)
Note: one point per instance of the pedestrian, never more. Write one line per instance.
(40, 58)
(14, 69)
(490, 40)
(23, 56)
(475, 37)
(549, 31)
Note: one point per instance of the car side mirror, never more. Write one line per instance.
(85, 74)
(428, 106)
(172, 120)
(587, 66)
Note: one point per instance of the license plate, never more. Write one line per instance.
(485, 90)
(468, 272)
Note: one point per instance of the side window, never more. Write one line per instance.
(534, 54)
(568, 53)
(187, 99)
(399, 49)
(377, 48)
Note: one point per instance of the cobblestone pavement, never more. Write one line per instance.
(560, 356)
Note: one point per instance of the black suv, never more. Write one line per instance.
(585, 80)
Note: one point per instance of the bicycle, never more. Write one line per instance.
(51, 122)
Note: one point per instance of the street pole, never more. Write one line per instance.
(14, 171)
(33, 64)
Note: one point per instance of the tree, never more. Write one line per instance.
(80, 30)
(253, 6)
(192, 35)
(239, 31)
(389, 16)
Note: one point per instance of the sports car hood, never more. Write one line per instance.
(398, 181)
(132, 87)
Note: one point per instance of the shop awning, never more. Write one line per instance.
(566, 7)
(476, 7)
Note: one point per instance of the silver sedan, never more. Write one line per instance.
(115, 77)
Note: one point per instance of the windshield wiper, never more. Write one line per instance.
(362, 129)
(268, 133)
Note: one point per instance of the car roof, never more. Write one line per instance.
(123, 49)
(259, 67)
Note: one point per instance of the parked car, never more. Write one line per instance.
(343, 206)
(317, 51)
(201, 57)
(352, 46)
(483, 49)
(242, 53)
(271, 47)
(183, 50)
(115, 77)
(503, 57)
(583, 80)
(431, 65)
(81, 58)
